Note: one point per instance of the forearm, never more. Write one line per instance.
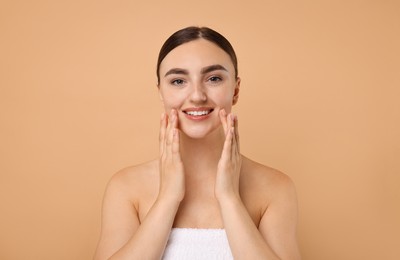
(149, 240)
(244, 238)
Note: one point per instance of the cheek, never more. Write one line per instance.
(171, 101)
(225, 100)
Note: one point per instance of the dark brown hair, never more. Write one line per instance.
(192, 33)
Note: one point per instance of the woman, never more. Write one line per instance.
(201, 199)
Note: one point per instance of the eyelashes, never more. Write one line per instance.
(213, 80)
(177, 82)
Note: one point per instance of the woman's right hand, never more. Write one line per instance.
(172, 176)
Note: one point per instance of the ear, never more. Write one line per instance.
(236, 92)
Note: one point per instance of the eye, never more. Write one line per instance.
(215, 79)
(177, 82)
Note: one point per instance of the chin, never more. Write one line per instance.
(197, 132)
(194, 134)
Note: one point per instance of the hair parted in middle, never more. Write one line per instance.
(192, 33)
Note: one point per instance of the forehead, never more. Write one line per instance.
(195, 55)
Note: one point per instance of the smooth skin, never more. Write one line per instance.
(200, 180)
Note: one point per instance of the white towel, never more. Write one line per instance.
(197, 244)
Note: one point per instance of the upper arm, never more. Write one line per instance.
(278, 224)
(119, 217)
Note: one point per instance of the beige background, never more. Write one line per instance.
(319, 101)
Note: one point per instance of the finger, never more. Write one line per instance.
(237, 143)
(176, 156)
(228, 123)
(223, 118)
(163, 126)
(229, 135)
(232, 142)
(227, 149)
(174, 132)
(233, 130)
(175, 123)
(169, 132)
(230, 120)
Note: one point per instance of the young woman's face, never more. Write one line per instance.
(197, 79)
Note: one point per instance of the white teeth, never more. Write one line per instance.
(197, 113)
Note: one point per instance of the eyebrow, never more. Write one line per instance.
(203, 70)
(212, 68)
(177, 71)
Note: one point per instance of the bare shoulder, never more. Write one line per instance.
(137, 171)
(273, 194)
(120, 206)
(264, 184)
(133, 181)
(264, 176)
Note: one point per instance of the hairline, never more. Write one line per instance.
(193, 33)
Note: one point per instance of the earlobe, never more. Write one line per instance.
(235, 100)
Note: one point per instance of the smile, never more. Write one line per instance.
(198, 113)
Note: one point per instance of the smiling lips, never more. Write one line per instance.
(197, 113)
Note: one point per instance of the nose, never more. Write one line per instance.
(198, 94)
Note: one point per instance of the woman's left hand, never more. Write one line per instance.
(228, 171)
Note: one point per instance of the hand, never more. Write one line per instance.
(172, 176)
(228, 171)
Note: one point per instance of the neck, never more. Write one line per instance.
(202, 155)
